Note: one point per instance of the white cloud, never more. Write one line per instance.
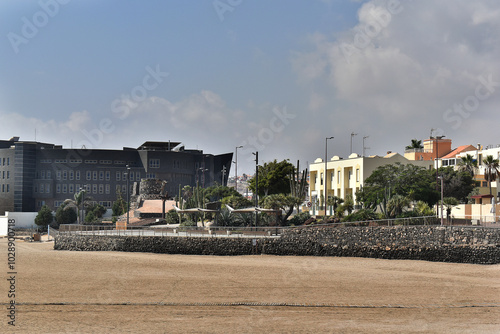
(396, 76)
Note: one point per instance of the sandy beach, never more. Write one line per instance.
(111, 292)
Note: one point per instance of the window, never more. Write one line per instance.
(118, 175)
(89, 175)
(119, 162)
(154, 163)
(485, 183)
(108, 189)
(94, 188)
(90, 161)
(332, 174)
(137, 176)
(64, 188)
(124, 189)
(42, 174)
(7, 187)
(76, 161)
(131, 176)
(71, 188)
(105, 162)
(71, 175)
(150, 176)
(36, 189)
(42, 189)
(357, 175)
(117, 190)
(350, 174)
(94, 175)
(108, 175)
(77, 175)
(49, 175)
(101, 188)
(65, 175)
(321, 179)
(58, 188)
(101, 175)
(3, 188)
(3, 175)
(124, 178)
(47, 188)
(338, 177)
(58, 174)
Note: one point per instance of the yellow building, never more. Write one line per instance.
(346, 176)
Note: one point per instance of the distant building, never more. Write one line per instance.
(33, 174)
(347, 176)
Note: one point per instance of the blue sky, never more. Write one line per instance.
(274, 76)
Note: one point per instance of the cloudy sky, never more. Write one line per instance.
(277, 77)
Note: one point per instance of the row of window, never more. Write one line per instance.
(4, 161)
(44, 188)
(106, 204)
(89, 175)
(5, 175)
(338, 176)
(5, 188)
(89, 161)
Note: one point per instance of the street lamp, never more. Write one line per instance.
(256, 195)
(236, 168)
(324, 173)
(441, 177)
(128, 194)
(82, 199)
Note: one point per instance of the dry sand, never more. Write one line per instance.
(112, 292)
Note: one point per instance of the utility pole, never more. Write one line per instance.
(325, 173)
(236, 168)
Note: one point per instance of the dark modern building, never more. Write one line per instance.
(33, 174)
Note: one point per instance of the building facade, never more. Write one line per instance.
(346, 176)
(33, 174)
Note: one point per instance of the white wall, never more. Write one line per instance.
(23, 219)
(3, 226)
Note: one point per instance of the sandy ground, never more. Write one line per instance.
(112, 292)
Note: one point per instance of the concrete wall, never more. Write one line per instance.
(444, 244)
(23, 219)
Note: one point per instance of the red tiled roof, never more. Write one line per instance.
(460, 149)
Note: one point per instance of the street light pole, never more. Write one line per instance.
(236, 168)
(442, 192)
(128, 194)
(325, 199)
(256, 195)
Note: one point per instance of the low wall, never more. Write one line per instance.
(431, 243)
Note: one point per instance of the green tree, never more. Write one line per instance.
(457, 183)
(78, 202)
(273, 178)
(281, 202)
(218, 192)
(66, 214)
(397, 205)
(415, 144)
(398, 179)
(119, 206)
(423, 209)
(334, 201)
(237, 202)
(44, 217)
(491, 169)
(468, 164)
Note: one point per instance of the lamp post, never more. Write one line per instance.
(437, 138)
(324, 174)
(256, 195)
(128, 193)
(442, 220)
(236, 168)
(82, 199)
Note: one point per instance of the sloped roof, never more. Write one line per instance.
(460, 149)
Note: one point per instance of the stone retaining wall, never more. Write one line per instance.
(444, 244)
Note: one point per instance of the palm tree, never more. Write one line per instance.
(468, 164)
(397, 204)
(491, 169)
(334, 201)
(415, 144)
(75, 203)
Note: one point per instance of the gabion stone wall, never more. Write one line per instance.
(443, 244)
(150, 189)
